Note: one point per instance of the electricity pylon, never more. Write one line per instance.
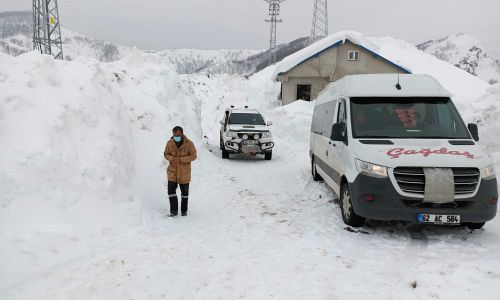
(274, 12)
(320, 21)
(46, 28)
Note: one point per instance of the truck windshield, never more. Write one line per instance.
(405, 118)
(246, 119)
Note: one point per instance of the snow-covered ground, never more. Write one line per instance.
(83, 196)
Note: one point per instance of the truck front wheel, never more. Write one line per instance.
(225, 153)
(268, 155)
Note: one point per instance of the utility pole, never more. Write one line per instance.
(274, 12)
(46, 28)
(320, 21)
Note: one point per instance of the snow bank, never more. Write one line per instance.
(82, 152)
(67, 160)
(487, 116)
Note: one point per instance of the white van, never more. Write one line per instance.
(397, 149)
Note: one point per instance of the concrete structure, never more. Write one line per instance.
(305, 77)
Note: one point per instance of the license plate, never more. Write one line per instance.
(439, 219)
(250, 142)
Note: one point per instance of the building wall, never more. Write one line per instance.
(367, 63)
(289, 87)
(330, 66)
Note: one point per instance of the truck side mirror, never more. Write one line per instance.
(269, 123)
(222, 122)
(474, 131)
(339, 133)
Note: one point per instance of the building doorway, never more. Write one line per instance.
(304, 92)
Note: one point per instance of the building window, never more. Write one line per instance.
(304, 92)
(353, 55)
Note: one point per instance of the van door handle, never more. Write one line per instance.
(326, 153)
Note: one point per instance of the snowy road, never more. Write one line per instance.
(257, 231)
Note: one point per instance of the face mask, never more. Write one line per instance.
(177, 138)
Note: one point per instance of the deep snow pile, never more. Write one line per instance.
(82, 145)
(66, 161)
(486, 112)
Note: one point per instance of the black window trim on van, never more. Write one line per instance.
(341, 107)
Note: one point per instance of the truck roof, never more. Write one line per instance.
(384, 85)
(243, 110)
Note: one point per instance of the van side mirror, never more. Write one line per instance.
(339, 133)
(474, 131)
(269, 123)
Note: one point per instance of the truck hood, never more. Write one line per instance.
(249, 128)
(422, 153)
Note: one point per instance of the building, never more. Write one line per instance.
(304, 74)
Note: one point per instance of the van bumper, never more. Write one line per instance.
(388, 204)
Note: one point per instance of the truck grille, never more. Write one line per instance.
(412, 180)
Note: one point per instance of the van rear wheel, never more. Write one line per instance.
(315, 175)
(348, 215)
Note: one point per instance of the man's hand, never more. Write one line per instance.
(176, 160)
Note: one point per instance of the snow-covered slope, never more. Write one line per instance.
(189, 61)
(16, 31)
(16, 38)
(83, 196)
(467, 53)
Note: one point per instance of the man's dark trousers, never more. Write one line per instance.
(172, 196)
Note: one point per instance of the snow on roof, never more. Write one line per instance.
(333, 40)
(384, 85)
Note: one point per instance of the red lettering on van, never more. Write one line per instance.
(426, 152)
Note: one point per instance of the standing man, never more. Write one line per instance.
(180, 152)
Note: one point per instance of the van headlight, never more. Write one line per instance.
(370, 169)
(488, 172)
(266, 135)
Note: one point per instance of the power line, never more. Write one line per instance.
(274, 12)
(320, 21)
(46, 28)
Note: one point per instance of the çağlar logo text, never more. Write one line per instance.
(397, 152)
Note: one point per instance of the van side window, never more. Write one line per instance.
(328, 116)
(323, 118)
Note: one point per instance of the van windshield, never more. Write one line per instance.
(404, 118)
(246, 119)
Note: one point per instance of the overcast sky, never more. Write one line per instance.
(212, 24)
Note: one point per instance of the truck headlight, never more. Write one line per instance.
(232, 134)
(488, 172)
(370, 169)
(266, 135)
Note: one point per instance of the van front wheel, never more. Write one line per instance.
(473, 226)
(348, 215)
